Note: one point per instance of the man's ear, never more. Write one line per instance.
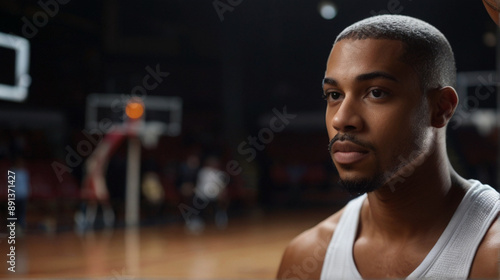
(444, 102)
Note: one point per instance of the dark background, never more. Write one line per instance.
(231, 74)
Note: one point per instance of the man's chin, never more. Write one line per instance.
(359, 186)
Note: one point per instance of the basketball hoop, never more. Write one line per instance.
(150, 133)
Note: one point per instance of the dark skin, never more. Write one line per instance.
(398, 225)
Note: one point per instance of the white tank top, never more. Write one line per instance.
(452, 255)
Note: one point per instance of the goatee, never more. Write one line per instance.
(361, 186)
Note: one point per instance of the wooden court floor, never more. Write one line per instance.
(250, 248)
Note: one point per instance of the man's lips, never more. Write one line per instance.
(348, 152)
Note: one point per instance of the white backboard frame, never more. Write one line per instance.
(21, 46)
(117, 103)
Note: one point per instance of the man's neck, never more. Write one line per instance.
(420, 206)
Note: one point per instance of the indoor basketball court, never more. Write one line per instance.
(165, 252)
(175, 140)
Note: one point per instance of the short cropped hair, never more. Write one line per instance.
(426, 49)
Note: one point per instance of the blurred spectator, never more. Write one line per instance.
(188, 173)
(152, 188)
(153, 192)
(210, 188)
(22, 183)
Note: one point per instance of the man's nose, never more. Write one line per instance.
(347, 117)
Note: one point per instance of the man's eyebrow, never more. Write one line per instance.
(376, 75)
(364, 77)
(329, 81)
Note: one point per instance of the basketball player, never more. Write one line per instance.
(94, 188)
(389, 94)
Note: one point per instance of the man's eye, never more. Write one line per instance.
(377, 93)
(333, 95)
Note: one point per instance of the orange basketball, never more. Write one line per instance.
(134, 110)
(492, 7)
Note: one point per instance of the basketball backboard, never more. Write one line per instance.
(14, 59)
(163, 115)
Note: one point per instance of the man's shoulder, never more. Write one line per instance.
(487, 260)
(320, 233)
(304, 255)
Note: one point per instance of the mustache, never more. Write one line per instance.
(350, 138)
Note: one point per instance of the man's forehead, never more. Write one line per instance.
(366, 55)
(365, 47)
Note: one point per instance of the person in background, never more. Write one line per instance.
(22, 188)
(210, 188)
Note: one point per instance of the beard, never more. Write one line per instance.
(364, 185)
(405, 165)
(398, 173)
(357, 186)
(408, 160)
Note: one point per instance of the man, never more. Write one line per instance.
(389, 91)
